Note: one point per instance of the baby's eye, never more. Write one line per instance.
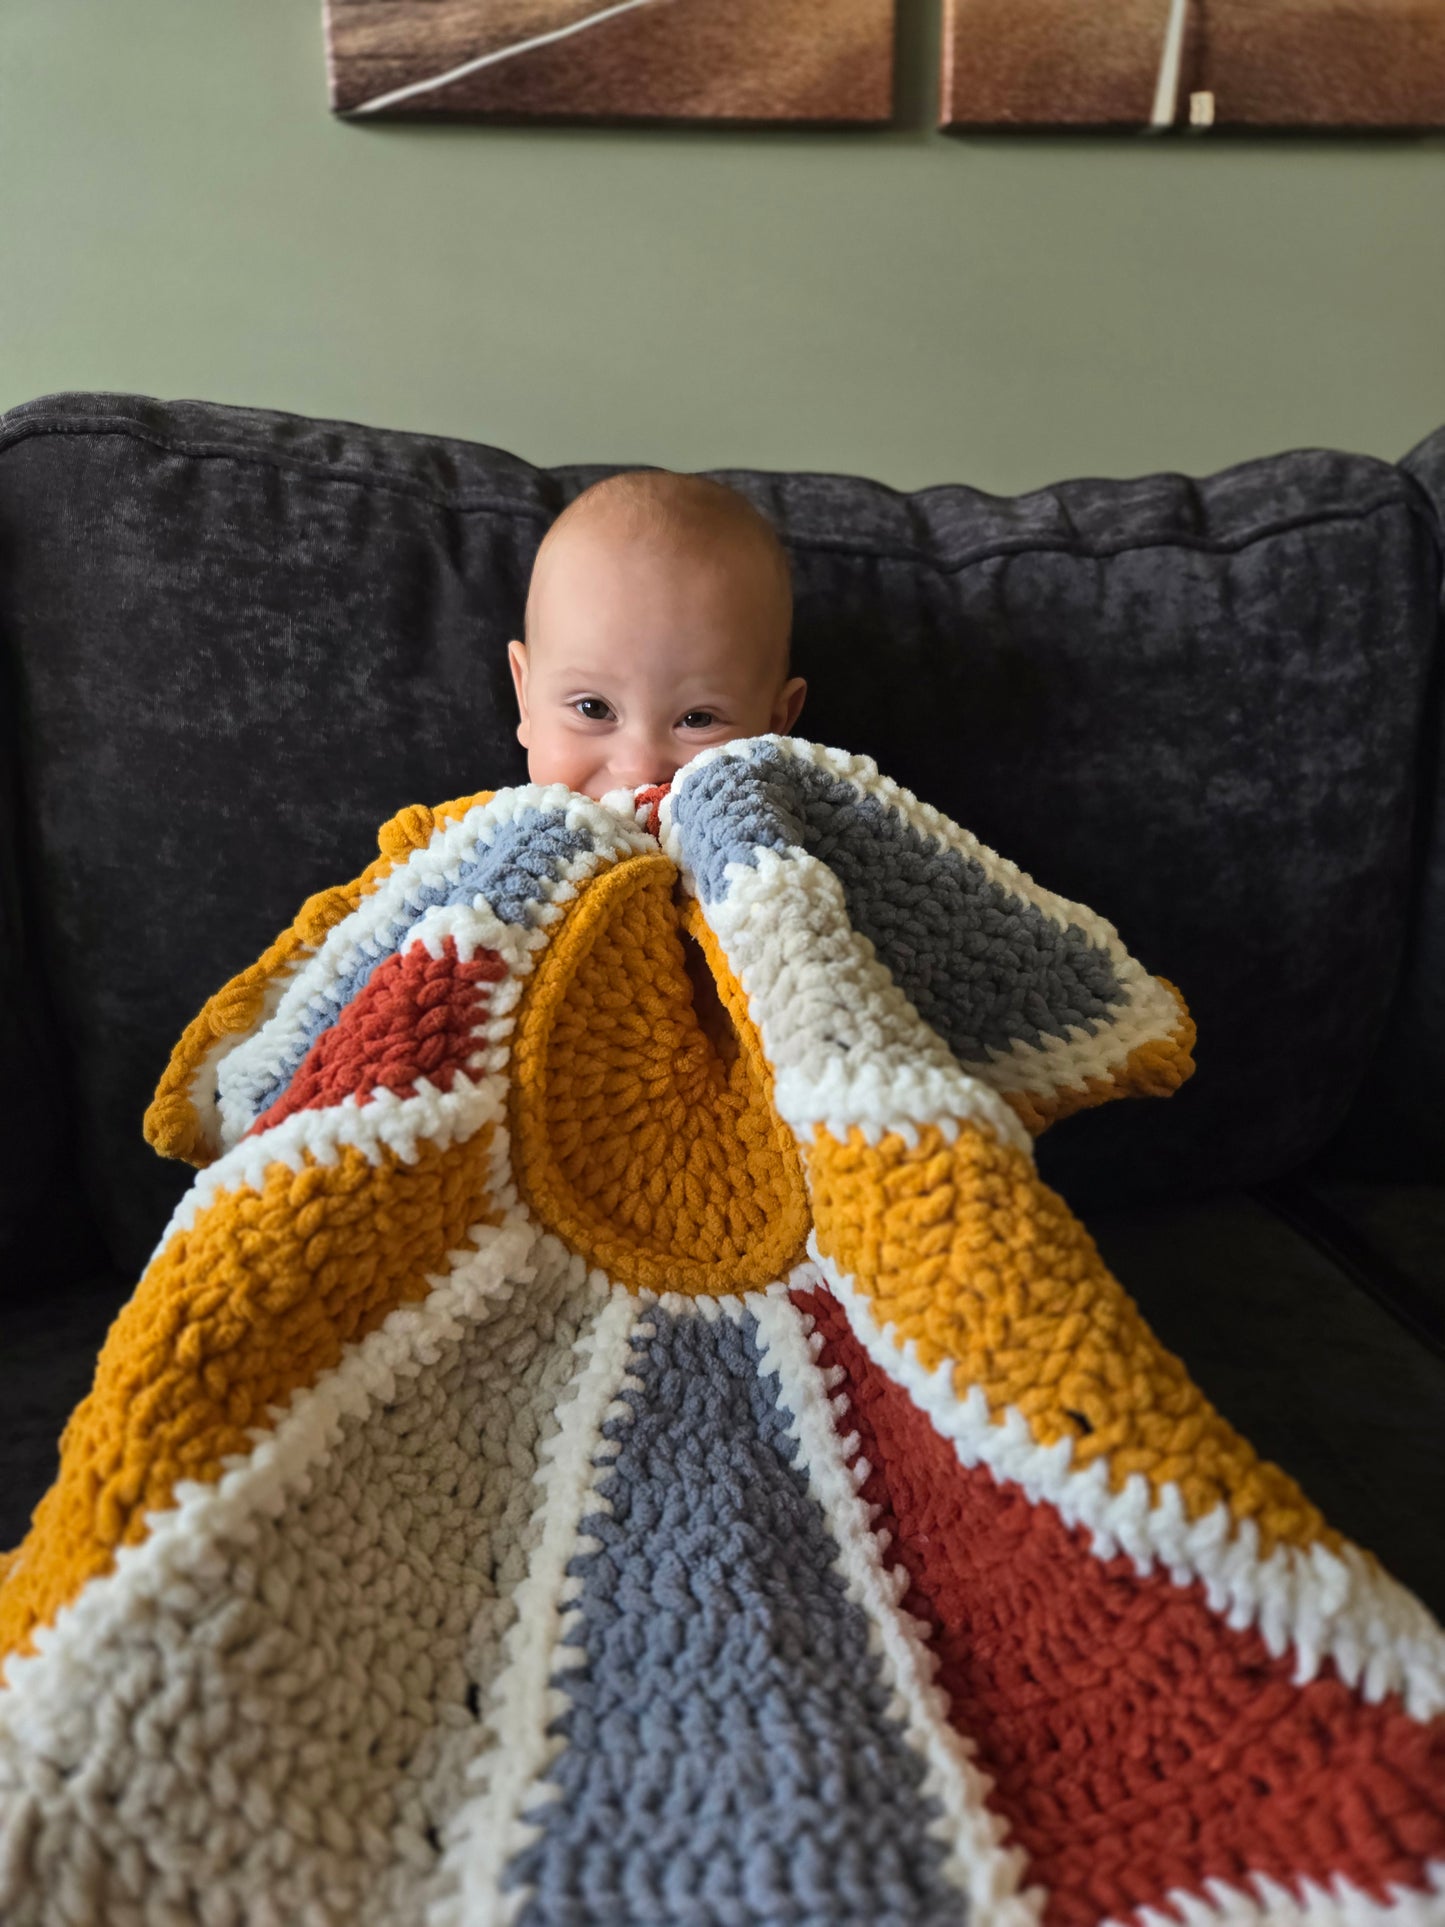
(699, 719)
(593, 708)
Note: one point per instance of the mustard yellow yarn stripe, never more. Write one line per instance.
(634, 1139)
(1153, 1069)
(968, 1253)
(172, 1125)
(256, 1300)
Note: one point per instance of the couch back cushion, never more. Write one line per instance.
(1395, 1129)
(41, 1194)
(242, 639)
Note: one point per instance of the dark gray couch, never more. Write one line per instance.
(235, 641)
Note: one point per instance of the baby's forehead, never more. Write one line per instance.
(698, 545)
(595, 568)
(734, 657)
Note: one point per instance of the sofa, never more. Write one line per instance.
(235, 640)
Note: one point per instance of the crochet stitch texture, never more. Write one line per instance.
(618, 1431)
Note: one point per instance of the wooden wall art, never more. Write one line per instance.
(749, 61)
(1314, 65)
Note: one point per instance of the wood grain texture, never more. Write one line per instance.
(1267, 63)
(729, 60)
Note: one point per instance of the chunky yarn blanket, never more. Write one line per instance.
(618, 1431)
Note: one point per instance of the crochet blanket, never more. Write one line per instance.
(618, 1431)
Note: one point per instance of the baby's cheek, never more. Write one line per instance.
(562, 758)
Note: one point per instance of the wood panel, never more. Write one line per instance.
(1304, 64)
(716, 60)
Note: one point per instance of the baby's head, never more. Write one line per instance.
(657, 624)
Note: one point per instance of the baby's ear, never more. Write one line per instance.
(788, 706)
(517, 661)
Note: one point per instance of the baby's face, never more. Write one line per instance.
(638, 659)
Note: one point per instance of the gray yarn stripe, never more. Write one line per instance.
(730, 1756)
(981, 966)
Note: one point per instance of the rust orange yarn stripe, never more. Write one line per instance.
(1137, 1744)
(414, 1018)
(171, 1125)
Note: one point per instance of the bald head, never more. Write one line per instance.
(677, 518)
(657, 625)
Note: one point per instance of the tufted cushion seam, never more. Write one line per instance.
(814, 545)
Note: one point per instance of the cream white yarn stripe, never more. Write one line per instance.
(204, 1513)
(205, 1080)
(846, 1047)
(979, 1863)
(488, 1829)
(369, 931)
(1308, 1601)
(1343, 1904)
(1150, 1011)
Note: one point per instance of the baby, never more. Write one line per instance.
(657, 624)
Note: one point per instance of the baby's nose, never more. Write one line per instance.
(643, 770)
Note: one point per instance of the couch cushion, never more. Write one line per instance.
(1312, 1371)
(1393, 1234)
(245, 638)
(40, 1199)
(47, 1364)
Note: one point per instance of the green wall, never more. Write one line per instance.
(180, 215)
